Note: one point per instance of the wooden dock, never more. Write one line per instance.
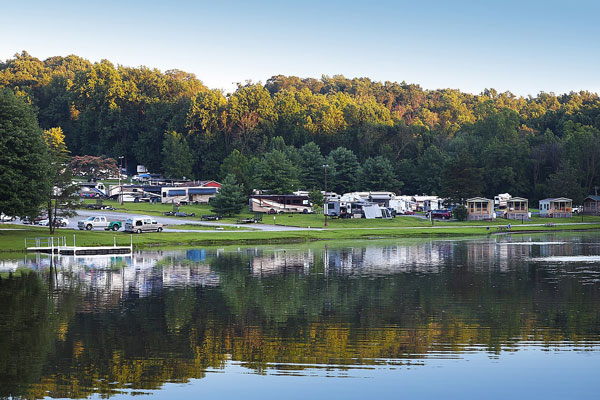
(58, 246)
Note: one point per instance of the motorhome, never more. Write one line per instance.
(139, 224)
(275, 204)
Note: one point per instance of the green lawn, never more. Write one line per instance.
(159, 208)
(13, 240)
(317, 220)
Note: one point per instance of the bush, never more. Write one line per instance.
(460, 213)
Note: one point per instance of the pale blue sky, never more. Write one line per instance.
(522, 46)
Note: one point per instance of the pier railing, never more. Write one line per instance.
(58, 241)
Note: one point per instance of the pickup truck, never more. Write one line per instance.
(99, 222)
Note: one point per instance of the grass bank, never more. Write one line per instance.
(14, 240)
(317, 220)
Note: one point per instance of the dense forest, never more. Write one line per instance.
(277, 135)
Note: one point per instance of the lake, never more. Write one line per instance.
(492, 317)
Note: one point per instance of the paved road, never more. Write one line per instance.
(171, 222)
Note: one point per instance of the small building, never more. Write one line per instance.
(591, 205)
(559, 207)
(480, 208)
(517, 208)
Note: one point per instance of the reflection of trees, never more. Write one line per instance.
(296, 317)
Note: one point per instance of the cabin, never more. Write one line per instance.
(279, 203)
(480, 208)
(559, 207)
(591, 205)
(517, 208)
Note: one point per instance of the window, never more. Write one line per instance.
(138, 222)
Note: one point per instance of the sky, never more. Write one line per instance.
(525, 47)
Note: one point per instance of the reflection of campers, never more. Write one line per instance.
(142, 224)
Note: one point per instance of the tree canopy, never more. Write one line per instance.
(24, 160)
(518, 143)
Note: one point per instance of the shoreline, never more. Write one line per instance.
(12, 239)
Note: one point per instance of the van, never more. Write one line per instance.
(142, 224)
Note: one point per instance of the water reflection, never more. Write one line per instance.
(71, 326)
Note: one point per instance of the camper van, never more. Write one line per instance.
(142, 224)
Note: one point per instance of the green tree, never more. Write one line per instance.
(565, 183)
(62, 200)
(230, 199)
(24, 161)
(177, 156)
(460, 213)
(344, 170)
(316, 198)
(462, 179)
(377, 174)
(311, 166)
(238, 165)
(276, 173)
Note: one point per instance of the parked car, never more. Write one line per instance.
(61, 221)
(142, 224)
(6, 218)
(38, 219)
(441, 214)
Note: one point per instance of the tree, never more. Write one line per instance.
(230, 199)
(316, 198)
(24, 165)
(61, 201)
(94, 167)
(460, 213)
(311, 166)
(237, 164)
(344, 170)
(461, 179)
(177, 156)
(276, 173)
(565, 183)
(378, 174)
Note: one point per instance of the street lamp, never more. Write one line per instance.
(325, 197)
(121, 173)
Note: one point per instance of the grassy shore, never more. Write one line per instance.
(317, 220)
(12, 237)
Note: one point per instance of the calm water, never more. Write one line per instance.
(480, 318)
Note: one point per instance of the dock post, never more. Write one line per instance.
(131, 244)
(114, 241)
(52, 246)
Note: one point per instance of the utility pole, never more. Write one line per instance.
(121, 173)
(325, 197)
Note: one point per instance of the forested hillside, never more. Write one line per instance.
(277, 135)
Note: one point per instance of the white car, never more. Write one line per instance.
(58, 221)
(6, 218)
